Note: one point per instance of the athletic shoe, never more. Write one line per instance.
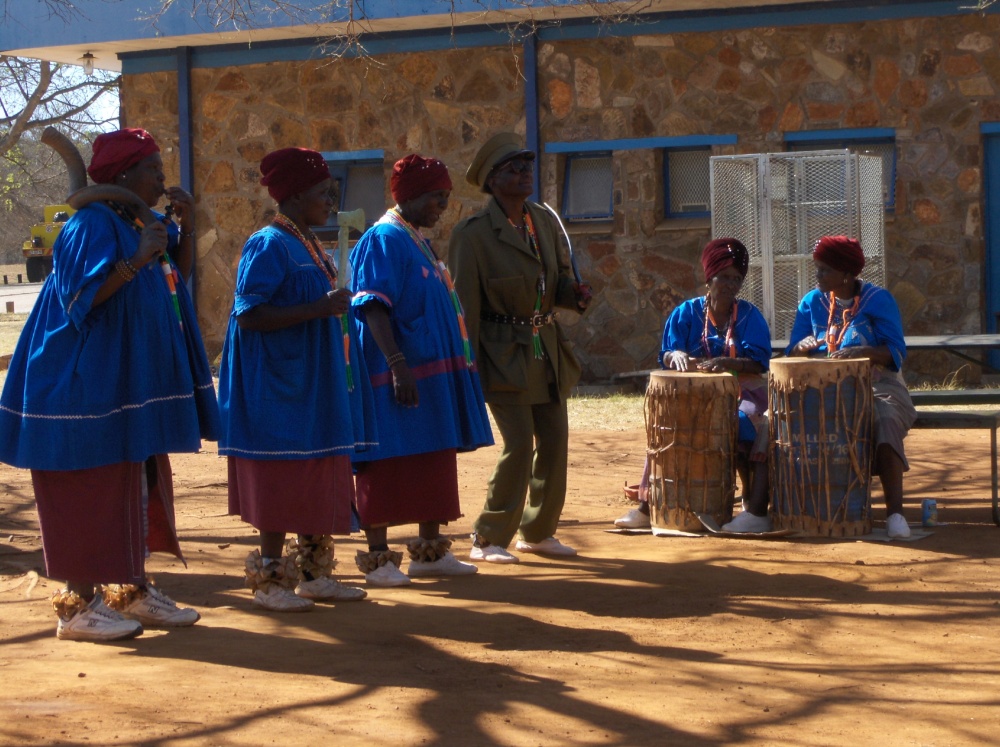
(492, 554)
(96, 622)
(387, 576)
(896, 527)
(748, 523)
(154, 609)
(326, 589)
(280, 599)
(449, 565)
(548, 546)
(634, 519)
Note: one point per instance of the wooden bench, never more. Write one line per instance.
(959, 419)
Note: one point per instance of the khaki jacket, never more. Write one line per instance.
(495, 272)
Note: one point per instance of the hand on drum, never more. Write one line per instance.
(717, 365)
(677, 360)
(805, 346)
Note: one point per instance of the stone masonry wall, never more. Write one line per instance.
(933, 80)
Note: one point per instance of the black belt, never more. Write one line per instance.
(535, 320)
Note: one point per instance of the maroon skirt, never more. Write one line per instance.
(91, 521)
(298, 496)
(409, 489)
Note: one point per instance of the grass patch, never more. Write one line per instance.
(10, 330)
(615, 412)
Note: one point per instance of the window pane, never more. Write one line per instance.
(365, 189)
(588, 187)
(885, 150)
(688, 181)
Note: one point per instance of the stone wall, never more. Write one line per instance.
(932, 80)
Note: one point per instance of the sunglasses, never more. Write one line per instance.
(517, 166)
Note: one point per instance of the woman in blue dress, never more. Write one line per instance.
(720, 333)
(428, 399)
(109, 376)
(293, 393)
(845, 317)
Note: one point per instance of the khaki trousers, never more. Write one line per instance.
(534, 460)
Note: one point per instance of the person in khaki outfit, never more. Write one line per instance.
(510, 278)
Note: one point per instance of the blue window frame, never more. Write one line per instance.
(358, 182)
(588, 187)
(878, 141)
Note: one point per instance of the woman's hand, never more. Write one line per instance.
(404, 385)
(183, 207)
(805, 346)
(152, 243)
(718, 365)
(338, 302)
(677, 360)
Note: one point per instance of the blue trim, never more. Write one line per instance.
(989, 128)
(991, 229)
(858, 133)
(604, 146)
(184, 117)
(532, 127)
(353, 155)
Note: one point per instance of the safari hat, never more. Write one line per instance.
(498, 150)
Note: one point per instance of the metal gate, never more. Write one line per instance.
(780, 204)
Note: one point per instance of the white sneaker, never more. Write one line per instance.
(280, 599)
(747, 523)
(492, 554)
(449, 565)
(634, 519)
(326, 589)
(896, 527)
(548, 546)
(96, 622)
(387, 576)
(155, 609)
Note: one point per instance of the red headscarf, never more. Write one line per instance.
(719, 254)
(288, 171)
(841, 253)
(414, 175)
(114, 152)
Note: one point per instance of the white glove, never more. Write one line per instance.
(677, 360)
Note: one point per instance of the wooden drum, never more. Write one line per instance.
(691, 427)
(821, 437)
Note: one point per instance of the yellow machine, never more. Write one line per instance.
(38, 249)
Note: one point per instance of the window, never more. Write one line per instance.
(874, 142)
(687, 193)
(358, 182)
(587, 188)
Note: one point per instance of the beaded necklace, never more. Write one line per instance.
(531, 236)
(835, 334)
(425, 248)
(729, 347)
(315, 250)
(167, 268)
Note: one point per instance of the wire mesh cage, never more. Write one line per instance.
(780, 204)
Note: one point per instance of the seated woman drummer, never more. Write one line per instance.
(720, 333)
(845, 317)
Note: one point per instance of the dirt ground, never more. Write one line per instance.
(640, 640)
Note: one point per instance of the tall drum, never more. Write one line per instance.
(821, 436)
(691, 427)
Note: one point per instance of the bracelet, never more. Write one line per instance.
(126, 269)
(395, 358)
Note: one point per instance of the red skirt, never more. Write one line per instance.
(409, 489)
(298, 496)
(91, 521)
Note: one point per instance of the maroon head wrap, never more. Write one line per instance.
(719, 254)
(288, 171)
(414, 175)
(841, 253)
(114, 152)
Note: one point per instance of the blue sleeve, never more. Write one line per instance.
(682, 331)
(85, 250)
(887, 325)
(803, 326)
(262, 269)
(377, 268)
(755, 336)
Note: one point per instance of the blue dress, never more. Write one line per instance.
(751, 336)
(389, 268)
(284, 394)
(94, 386)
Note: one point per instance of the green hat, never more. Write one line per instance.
(498, 150)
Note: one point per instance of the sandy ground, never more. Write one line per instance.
(639, 640)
